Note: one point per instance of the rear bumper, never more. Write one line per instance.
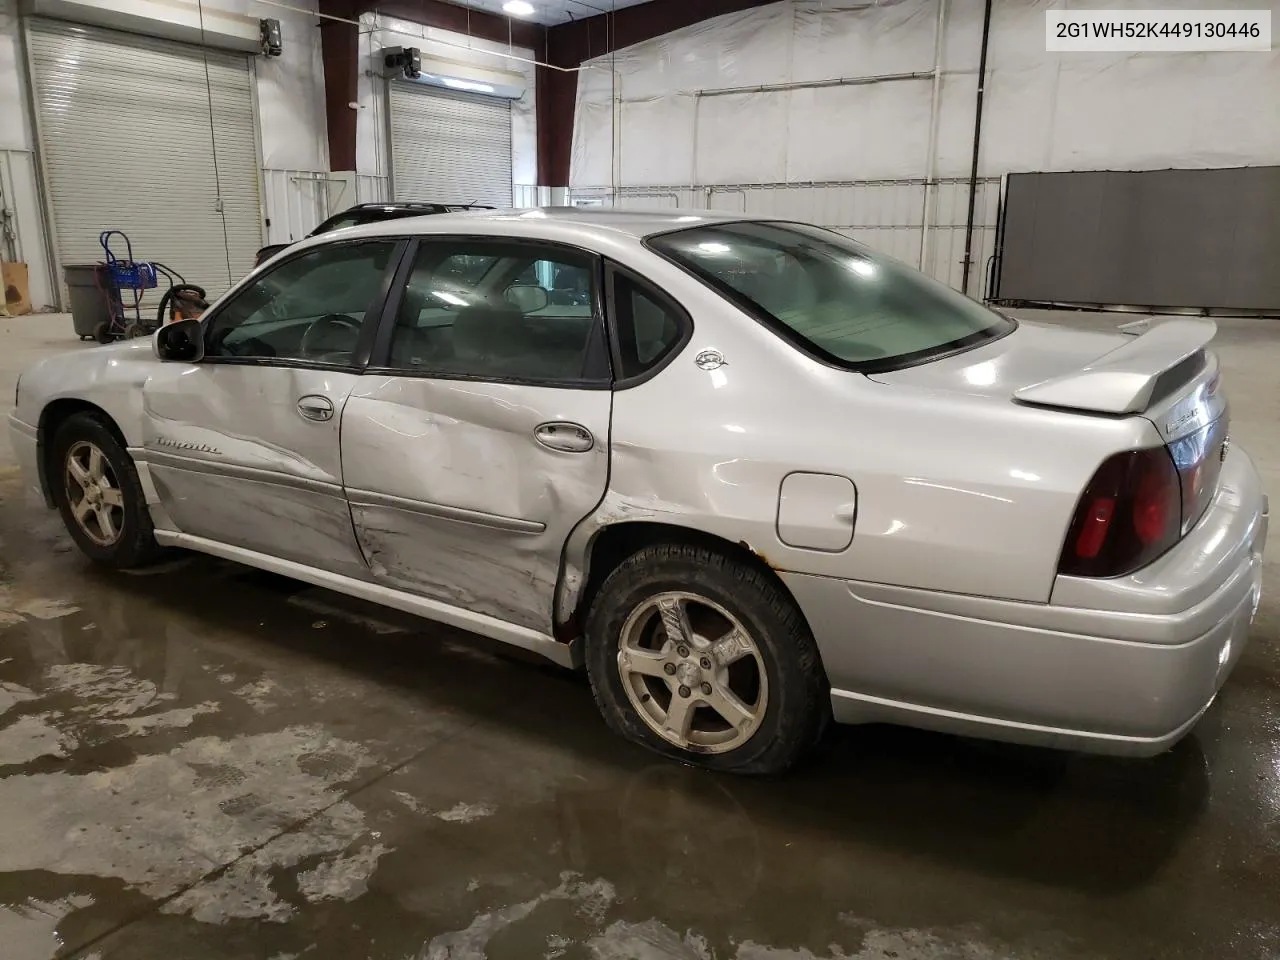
(1124, 666)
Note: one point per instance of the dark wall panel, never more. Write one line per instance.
(1152, 238)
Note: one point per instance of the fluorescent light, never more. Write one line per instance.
(710, 246)
(862, 268)
(472, 85)
(450, 298)
(518, 8)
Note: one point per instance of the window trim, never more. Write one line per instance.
(379, 360)
(368, 324)
(684, 320)
(795, 339)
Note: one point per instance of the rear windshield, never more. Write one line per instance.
(832, 296)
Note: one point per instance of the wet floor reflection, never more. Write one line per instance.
(211, 762)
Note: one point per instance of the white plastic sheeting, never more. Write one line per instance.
(655, 116)
(1044, 111)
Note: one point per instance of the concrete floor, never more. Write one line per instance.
(208, 762)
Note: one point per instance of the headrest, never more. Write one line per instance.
(490, 330)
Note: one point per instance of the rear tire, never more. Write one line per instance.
(98, 493)
(743, 691)
(102, 332)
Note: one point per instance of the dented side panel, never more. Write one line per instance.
(453, 496)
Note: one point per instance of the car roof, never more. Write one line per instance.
(636, 224)
(414, 205)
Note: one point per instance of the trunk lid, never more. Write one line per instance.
(1162, 372)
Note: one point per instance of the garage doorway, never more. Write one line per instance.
(448, 146)
(150, 137)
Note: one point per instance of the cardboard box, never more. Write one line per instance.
(17, 289)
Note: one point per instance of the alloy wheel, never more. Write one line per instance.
(94, 494)
(692, 672)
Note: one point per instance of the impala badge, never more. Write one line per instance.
(184, 445)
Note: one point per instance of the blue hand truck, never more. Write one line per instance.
(128, 281)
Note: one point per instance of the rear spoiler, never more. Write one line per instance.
(1123, 380)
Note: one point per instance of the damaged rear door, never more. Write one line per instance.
(479, 436)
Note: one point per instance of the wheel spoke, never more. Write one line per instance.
(107, 522)
(647, 663)
(731, 648)
(82, 509)
(95, 463)
(724, 702)
(680, 715)
(112, 497)
(77, 472)
(675, 620)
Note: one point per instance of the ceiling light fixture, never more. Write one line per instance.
(518, 8)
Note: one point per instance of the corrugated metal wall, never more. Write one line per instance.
(21, 232)
(295, 201)
(885, 214)
(372, 189)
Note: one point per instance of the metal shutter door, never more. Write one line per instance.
(124, 126)
(449, 147)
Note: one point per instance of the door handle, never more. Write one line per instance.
(564, 436)
(315, 407)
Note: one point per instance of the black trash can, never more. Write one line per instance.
(90, 286)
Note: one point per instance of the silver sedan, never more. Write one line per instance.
(751, 474)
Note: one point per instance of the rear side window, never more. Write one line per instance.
(494, 310)
(649, 327)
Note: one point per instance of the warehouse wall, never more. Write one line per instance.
(454, 54)
(653, 125)
(290, 102)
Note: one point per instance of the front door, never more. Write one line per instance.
(243, 446)
(479, 436)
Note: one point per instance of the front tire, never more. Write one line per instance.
(703, 657)
(99, 495)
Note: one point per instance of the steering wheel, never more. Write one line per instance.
(332, 334)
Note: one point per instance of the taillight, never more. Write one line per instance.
(1131, 512)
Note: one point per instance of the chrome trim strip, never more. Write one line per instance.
(564, 654)
(172, 461)
(367, 498)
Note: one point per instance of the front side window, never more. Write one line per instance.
(833, 296)
(499, 310)
(312, 307)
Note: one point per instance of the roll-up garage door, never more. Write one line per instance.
(128, 143)
(449, 147)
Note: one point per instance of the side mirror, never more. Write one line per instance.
(528, 298)
(181, 341)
